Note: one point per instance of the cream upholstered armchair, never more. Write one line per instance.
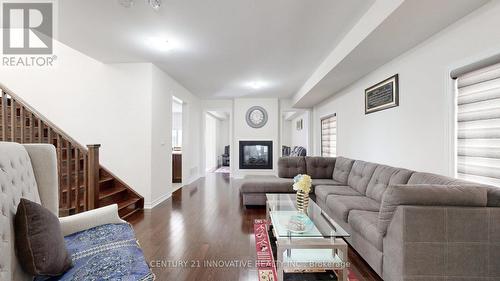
(30, 171)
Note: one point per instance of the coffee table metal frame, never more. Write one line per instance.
(339, 259)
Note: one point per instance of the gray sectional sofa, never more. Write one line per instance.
(407, 225)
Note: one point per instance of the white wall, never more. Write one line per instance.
(244, 132)
(161, 137)
(192, 166)
(416, 134)
(286, 132)
(222, 135)
(94, 103)
(219, 105)
(210, 142)
(124, 107)
(300, 137)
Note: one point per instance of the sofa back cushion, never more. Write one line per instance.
(360, 175)
(320, 167)
(428, 195)
(428, 178)
(342, 169)
(289, 167)
(383, 177)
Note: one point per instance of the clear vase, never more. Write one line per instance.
(302, 201)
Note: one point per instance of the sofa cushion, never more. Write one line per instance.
(384, 176)
(342, 169)
(320, 167)
(316, 182)
(428, 195)
(428, 178)
(39, 241)
(360, 175)
(322, 192)
(289, 167)
(341, 205)
(365, 224)
(267, 185)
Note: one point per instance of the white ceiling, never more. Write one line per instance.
(410, 23)
(222, 44)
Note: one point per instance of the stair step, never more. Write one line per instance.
(127, 215)
(105, 179)
(23, 125)
(111, 191)
(126, 203)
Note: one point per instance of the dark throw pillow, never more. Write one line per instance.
(40, 245)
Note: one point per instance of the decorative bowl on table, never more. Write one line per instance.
(299, 223)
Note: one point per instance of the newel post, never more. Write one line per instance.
(93, 176)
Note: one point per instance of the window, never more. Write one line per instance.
(176, 138)
(329, 136)
(478, 125)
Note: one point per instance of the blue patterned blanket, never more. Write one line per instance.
(107, 252)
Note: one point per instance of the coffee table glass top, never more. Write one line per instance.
(287, 221)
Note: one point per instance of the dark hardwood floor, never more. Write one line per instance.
(203, 223)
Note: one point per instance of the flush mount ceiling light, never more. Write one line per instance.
(256, 85)
(160, 44)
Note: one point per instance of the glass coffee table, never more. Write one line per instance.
(306, 242)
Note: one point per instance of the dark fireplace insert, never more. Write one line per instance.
(256, 155)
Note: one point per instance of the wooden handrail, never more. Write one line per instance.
(80, 175)
(38, 115)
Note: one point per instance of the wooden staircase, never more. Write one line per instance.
(83, 183)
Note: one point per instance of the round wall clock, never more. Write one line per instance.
(256, 117)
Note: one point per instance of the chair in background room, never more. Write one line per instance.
(225, 156)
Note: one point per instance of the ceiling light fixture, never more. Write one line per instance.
(160, 44)
(256, 85)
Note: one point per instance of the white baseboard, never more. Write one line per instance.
(192, 179)
(154, 203)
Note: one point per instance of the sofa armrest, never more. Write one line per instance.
(428, 195)
(289, 167)
(435, 242)
(90, 219)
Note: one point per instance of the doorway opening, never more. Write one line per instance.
(176, 143)
(217, 142)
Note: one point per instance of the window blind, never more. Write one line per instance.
(478, 125)
(329, 136)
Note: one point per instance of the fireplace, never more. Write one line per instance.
(256, 155)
